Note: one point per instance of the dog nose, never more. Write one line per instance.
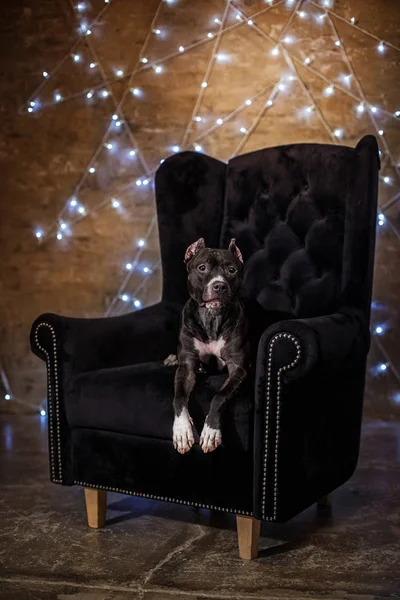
(219, 287)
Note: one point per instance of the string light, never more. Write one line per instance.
(250, 22)
(92, 65)
(158, 69)
(374, 109)
(132, 153)
(338, 133)
(115, 203)
(248, 102)
(360, 108)
(73, 202)
(329, 90)
(243, 130)
(181, 49)
(352, 20)
(219, 121)
(198, 119)
(141, 243)
(119, 73)
(92, 170)
(381, 219)
(383, 366)
(337, 43)
(39, 234)
(63, 226)
(59, 236)
(302, 14)
(307, 60)
(30, 109)
(157, 31)
(210, 35)
(118, 123)
(137, 303)
(81, 210)
(144, 60)
(379, 329)
(288, 39)
(397, 113)
(269, 102)
(146, 270)
(128, 266)
(125, 298)
(387, 179)
(42, 412)
(57, 97)
(275, 51)
(7, 397)
(45, 74)
(76, 57)
(138, 182)
(381, 47)
(104, 93)
(380, 131)
(175, 148)
(198, 148)
(89, 95)
(204, 84)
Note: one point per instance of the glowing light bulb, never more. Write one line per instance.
(141, 243)
(198, 119)
(243, 130)
(104, 93)
(114, 117)
(119, 73)
(81, 210)
(238, 18)
(175, 148)
(329, 90)
(347, 78)
(59, 236)
(386, 179)
(309, 109)
(118, 123)
(146, 269)
(269, 103)
(288, 39)
(57, 97)
(397, 113)
(337, 43)
(221, 57)
(352, 20)
(217, 21)
(381, 217)
(322, 17)
(374, 109)
(145, 181)
(89, 32)
(250, 22)
(360, 108)
(383, 367)
(138, 182)
(219, 121)
(158, 69)
(132, 152)
(115, 203)
(125, 297)
(73, 202)
(92, 170)
(248, 102)
(92, 65)
(157, 31)
(76, 57)
(381, 47)
(30, 109)
(281, 87)
(181, 49)
(379, 330)
(302, 14)
(338, 133)
(198, 148)
(39, 234)
(42, 413)
(109, 146)
(275, 51)
(128, 266)
(210, 35)
(63, 226)
(137, 303)
(204, 84)
(45, 74)
(80, 7)
(307, 60)
(380, 131)
(7, 397)
(144, 60)
(89, 94)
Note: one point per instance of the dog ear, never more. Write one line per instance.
(194, 249)
(235, 250)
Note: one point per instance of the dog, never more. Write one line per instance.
(213, 322)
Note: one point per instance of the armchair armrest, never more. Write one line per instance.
(308, 406)
(89, 344)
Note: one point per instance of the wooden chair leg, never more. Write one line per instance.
(248, 530)
(95, 507)
(324, 502)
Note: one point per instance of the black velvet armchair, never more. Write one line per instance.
(304, 218)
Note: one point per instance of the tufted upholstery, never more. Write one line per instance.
(286, 207)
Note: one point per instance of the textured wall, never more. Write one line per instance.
(46, 153)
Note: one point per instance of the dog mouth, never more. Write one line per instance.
(212, 303)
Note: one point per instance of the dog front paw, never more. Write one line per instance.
(182, 433)
(210, 438)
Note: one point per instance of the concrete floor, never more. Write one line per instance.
(154, 551)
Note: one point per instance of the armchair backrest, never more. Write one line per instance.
(303, 216)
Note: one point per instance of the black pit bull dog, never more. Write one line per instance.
(213, 323)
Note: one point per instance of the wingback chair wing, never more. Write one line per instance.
(304, 218)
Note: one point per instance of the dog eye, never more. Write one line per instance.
(201, 267)
(232, 269)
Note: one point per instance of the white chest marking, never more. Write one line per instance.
(205, 348)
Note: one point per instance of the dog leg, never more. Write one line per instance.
(171, 360)
(182, 433)
(210, 437)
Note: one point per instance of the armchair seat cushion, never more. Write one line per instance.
(137, 400)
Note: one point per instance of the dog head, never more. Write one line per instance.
(214, 275)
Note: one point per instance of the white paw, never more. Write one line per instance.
(182, 433)
(171, 360)
(210, 438)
